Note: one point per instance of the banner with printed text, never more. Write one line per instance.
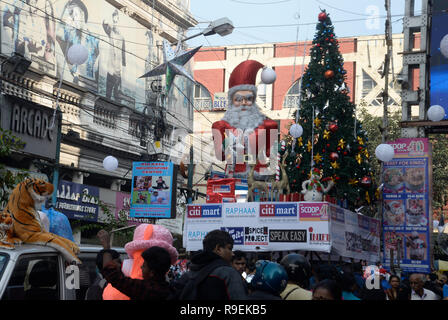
(262, 226)
(407, 204)
(78, 201)
(153, 190)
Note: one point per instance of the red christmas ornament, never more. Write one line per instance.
(322, 16)
(338, 148)
(328, 145)
(359, 148)
(334, 156)
(366, 181)
(345, 153)
(329, 74)
(333, 127)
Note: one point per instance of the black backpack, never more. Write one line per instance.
(186, 287)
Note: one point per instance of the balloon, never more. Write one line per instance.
(77, 54)
(268, 75)
(444, 46)
(436, 113)
(110, 163)
(296, 130)
(384, 152)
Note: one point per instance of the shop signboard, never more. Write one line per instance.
(30, 122)
(78, 201)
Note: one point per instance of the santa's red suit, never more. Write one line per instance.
(259, 140)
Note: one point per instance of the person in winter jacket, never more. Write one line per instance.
(211, 275)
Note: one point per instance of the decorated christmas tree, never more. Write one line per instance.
(332, 141)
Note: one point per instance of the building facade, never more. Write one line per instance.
(364, 63)
(100, 107)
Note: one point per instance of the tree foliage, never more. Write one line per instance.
(332, 140)
(8, 179)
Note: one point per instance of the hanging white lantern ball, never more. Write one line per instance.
(444, 46)
(77, 54)
(268, 75)
(110, 163)
(296, 130)
(384, 152)
(436, 113)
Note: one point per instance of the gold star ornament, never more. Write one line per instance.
(309, 146)
(317, 158)
(360, 141)
(358, 158)
(341, 144)
(335, 165)
(326, 134)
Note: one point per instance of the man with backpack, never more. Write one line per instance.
(211, 275)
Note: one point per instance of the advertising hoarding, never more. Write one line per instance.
(282, 226)
(78, 201)
(154, 187)
(407, 199)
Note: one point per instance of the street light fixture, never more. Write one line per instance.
(222, 26)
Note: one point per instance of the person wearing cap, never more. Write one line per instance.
(74, 31)
(152, 286)
(244, 133)
(145, 236)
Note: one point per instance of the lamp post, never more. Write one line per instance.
(222, 26)
(77, 55)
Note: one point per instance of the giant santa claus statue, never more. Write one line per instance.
(244, 136)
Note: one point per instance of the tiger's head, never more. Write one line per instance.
(39, 190)
(5, 221)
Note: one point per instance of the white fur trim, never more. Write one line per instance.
(241, 87)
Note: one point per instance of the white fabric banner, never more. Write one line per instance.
(283, 226)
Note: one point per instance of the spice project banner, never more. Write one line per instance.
(407, 204)
(270, 226)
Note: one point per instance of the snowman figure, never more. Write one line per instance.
(313, 189)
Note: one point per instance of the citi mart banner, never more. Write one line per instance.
(263, 226)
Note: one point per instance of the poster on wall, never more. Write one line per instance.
(407, 199)
(439, 57)
(78, 201)
(154, 187)
(119, 48)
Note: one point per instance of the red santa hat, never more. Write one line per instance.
(244, 75)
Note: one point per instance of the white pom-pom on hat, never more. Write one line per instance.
(268, 75)
(244, 75)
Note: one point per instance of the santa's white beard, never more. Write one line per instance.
(248, 119)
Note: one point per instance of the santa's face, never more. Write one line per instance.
(243, 113)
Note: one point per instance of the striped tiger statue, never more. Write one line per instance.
(20, 220)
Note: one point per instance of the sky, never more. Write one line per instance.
(268, 21)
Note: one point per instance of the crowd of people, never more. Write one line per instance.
(218, 273)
